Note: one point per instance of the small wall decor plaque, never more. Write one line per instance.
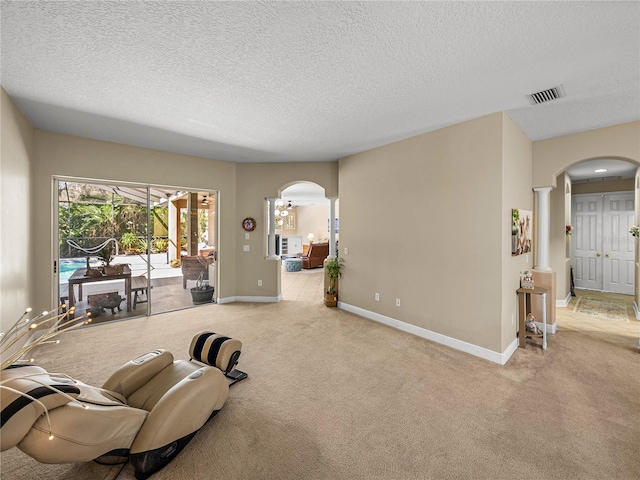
(249, 224)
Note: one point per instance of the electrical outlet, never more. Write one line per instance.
(259, 283)
(346, 250)
(377, 297)
(397, 302)
(245, 248)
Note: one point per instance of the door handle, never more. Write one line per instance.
(598, 254)
(608, 255)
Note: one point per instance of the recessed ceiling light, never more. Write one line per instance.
(601, 170)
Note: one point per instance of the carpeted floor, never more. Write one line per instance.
(331, 395)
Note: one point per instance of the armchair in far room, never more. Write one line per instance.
(315, 256)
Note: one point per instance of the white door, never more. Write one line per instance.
(618, 245)
(586, 249)
(602, 249)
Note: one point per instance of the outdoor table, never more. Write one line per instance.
(78, 278)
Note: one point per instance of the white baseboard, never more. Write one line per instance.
(250, 299)
(496, 357)
(552, 329)
(565, 302)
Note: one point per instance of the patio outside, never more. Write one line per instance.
(102, 227)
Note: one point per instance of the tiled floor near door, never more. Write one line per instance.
(306, 285)
(621, 330)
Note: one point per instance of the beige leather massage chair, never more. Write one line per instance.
(146, 412)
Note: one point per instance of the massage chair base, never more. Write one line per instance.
(152, 461)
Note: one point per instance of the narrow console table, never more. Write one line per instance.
(525, 297)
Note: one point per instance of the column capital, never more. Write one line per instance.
(542, 189)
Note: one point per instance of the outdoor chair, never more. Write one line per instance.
(193, 266)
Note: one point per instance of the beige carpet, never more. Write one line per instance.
(333, 396)
(18, 465)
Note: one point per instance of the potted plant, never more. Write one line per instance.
(202, 292)
(333, 268)
(106, 255)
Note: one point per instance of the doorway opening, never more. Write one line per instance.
(603, 250)
(304, 233)
(122, 247)
(603, 210)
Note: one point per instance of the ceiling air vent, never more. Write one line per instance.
(546, 95)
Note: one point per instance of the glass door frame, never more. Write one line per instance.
(55, 228)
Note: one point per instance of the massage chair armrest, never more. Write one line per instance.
(183, 409)
(137, 372)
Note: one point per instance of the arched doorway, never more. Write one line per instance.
(603, 209)
(303, 218)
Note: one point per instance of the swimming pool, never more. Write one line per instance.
(70, 265)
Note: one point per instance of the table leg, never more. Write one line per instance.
(70, 300)
(521, 318)
(127, 291)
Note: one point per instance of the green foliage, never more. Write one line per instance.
(160, 245)
(515, 218)
(333, 267)
(129, 241)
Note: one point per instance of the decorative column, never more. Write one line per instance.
(271, 249)
(543, 237)
(332, 228)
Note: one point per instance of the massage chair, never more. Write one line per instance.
(146, 412)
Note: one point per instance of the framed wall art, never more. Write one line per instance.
(521, 227)
(290, 221)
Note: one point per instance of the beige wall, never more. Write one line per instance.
(242, 187)
(552, 157)
(516, 193)
(257, 182)
(69, 156)
(313, 219)
(441, 251)
(16, 233)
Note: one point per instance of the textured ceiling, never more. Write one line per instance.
(311, 81)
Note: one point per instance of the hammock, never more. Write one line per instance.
(93, 250)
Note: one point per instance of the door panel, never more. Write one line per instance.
(602, 250)
(618, 244)
(587, 214)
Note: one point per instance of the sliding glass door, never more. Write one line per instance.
(125, 250)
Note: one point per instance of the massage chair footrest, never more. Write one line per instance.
(218, 351)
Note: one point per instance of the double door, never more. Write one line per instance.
(602, 249)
